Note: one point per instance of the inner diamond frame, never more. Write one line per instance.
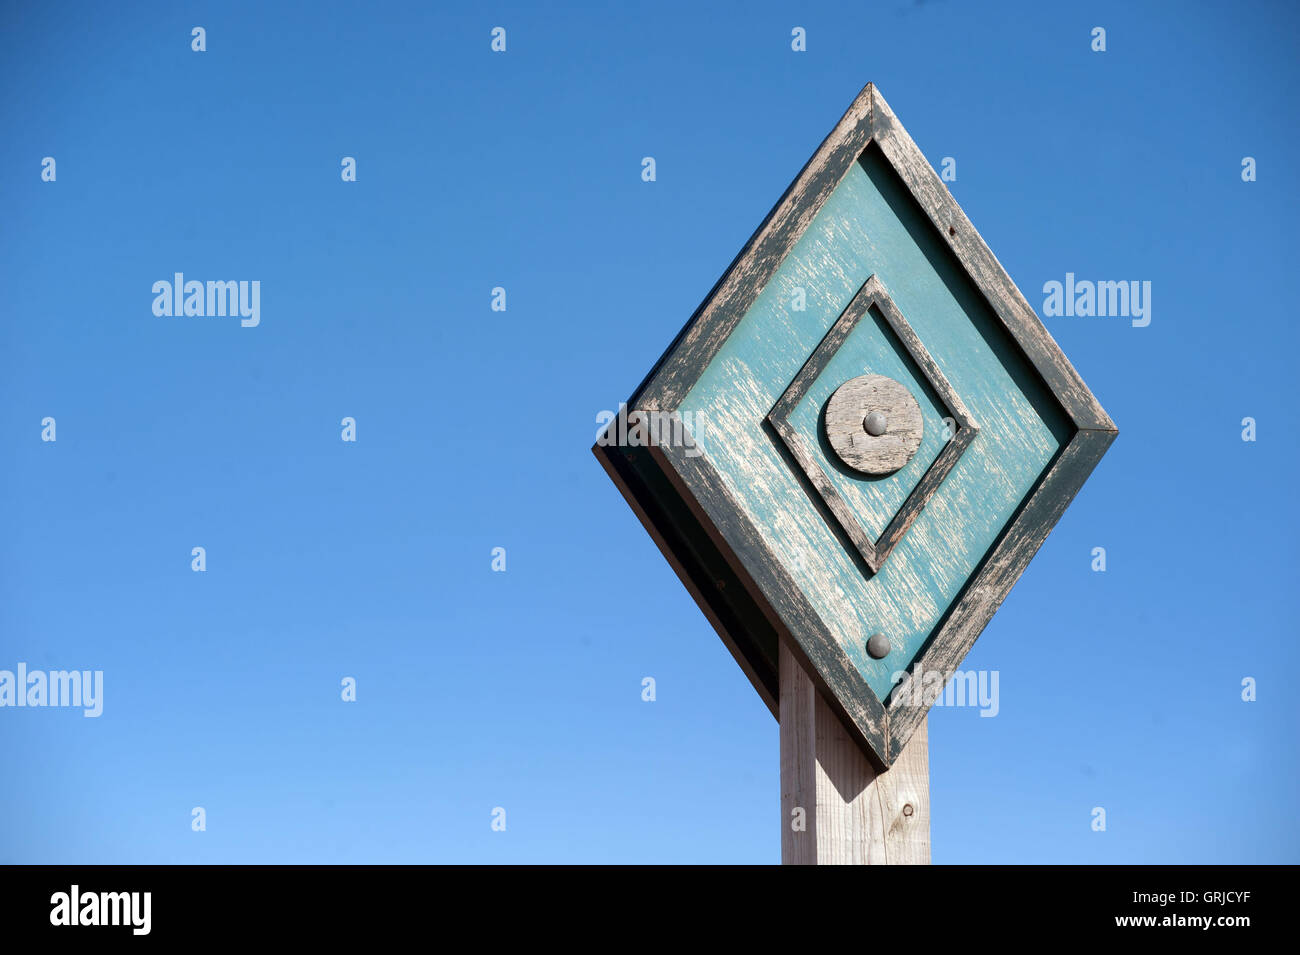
(873, 552)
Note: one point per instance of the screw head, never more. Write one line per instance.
(878, 646)
(875, 424)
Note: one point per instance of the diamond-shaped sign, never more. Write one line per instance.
(861, 438)
(958, 429)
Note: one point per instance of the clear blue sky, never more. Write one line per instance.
(372, 560)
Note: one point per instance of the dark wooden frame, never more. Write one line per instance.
(872, 295)
(741, 585)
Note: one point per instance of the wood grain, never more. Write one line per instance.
(888, 345)
(846, 431)
(852, 814)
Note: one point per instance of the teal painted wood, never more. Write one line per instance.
(871, 347)
(870, 224)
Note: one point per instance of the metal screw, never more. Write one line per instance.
(878, 646)
(875, 424)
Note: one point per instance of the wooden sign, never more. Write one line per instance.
(858, 442)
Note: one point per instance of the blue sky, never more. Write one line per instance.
(372, 559)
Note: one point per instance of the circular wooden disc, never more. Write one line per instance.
(846, 429)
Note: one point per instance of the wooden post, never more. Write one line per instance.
(850, 814)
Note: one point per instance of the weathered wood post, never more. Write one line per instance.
(838, 809)
(849, 455)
